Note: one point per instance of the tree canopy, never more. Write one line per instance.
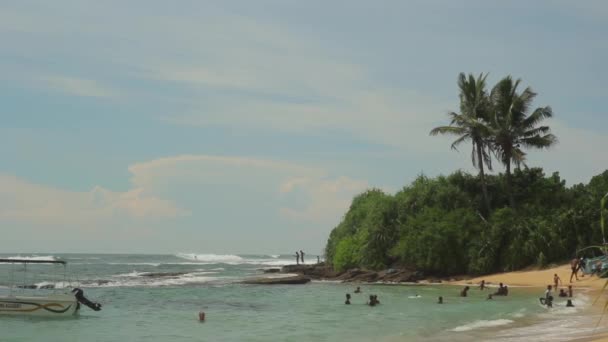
(434, 224)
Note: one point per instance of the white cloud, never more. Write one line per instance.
(329, 198)
(23, 201)
(578, 155)
(76, 86)
(321, 198)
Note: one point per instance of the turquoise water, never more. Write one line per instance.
(165, 307)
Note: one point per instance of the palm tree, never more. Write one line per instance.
(471, 124)
(513, 129)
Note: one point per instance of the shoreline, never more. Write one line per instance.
(589, 286)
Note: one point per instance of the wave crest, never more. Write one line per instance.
(482, 324)
(215, 258)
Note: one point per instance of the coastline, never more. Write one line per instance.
(589, 285)
(587, 289)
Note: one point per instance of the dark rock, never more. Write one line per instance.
(319, 271)
(272, 270)
(295, 280)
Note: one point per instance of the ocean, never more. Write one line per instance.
(158, 297)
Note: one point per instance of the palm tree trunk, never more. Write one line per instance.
(482, 177)
(509, 184)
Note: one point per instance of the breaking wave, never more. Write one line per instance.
(33, 258)
(139, 279)
(214, 258)
(482, 324)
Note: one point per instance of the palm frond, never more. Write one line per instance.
(459, 141)
(539, 141)
(448, 130)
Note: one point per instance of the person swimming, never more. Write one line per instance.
(569, 303)
(440, 300)
(489, 297)
(347, 299)
(372, 301)
(502, 290)
(562, 293)
(358, 289)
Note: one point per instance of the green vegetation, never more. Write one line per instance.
(435, 225)
(477, 224)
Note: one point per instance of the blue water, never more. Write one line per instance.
(165, 307)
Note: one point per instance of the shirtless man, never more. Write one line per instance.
(574, 267)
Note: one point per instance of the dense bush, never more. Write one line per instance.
(437, 226)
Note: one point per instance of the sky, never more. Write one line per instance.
(248, 126)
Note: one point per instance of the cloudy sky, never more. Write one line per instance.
(247, 126)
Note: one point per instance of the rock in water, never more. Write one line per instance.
(295, 280)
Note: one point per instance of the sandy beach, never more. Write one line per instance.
(592, 285)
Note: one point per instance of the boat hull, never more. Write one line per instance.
(49, 306)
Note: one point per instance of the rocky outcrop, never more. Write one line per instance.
(272, 270)
(320, 271)
(294, 280)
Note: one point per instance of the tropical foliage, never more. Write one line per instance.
(434, 224)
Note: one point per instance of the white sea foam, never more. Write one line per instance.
(482, 324)
(215, 258)
(33, 258)
(54, 285)
(130, 274)
(155, 264)
(275, 256)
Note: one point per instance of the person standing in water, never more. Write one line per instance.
(548, 299)
(482, 285)
(347, 298)
(556, 280)
(464, 291)
(440, 300)
(302, 256)
(297, 258)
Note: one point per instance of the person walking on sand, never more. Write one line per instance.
(302, 256)
(556, 281)
(574, 267)
(581, 266)
(297, 258)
